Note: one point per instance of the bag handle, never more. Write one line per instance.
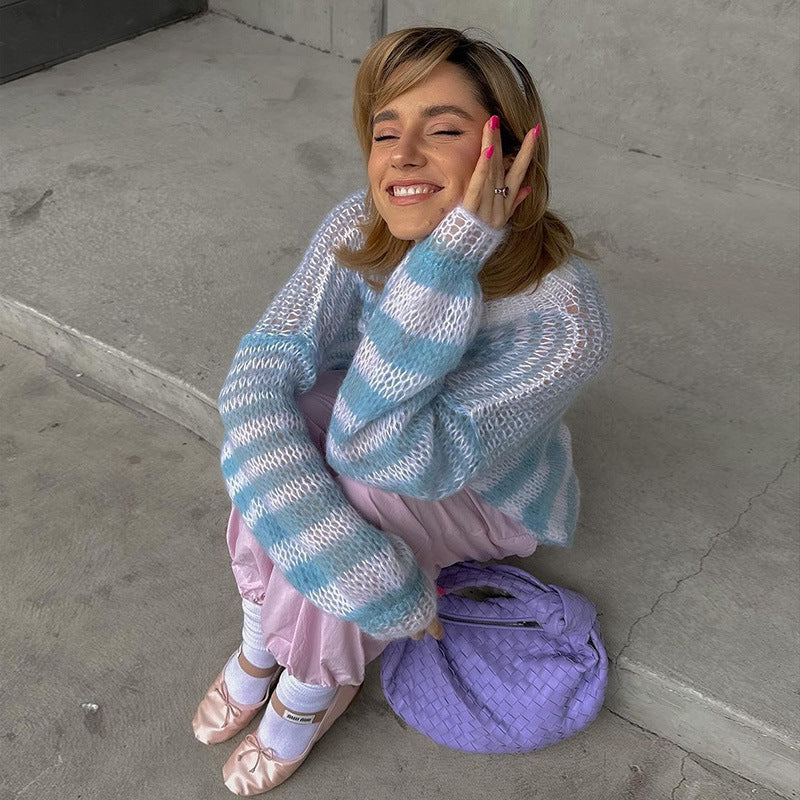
(557, 610)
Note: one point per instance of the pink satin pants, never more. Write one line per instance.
(317, 647)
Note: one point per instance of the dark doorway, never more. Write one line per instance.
(39, 33)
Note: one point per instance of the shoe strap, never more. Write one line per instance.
(301, 717)
(270, 670)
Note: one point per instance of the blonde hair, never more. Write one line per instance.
(538, 241)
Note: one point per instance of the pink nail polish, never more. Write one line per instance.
(489, 151)
(536, 131)
(494, 122)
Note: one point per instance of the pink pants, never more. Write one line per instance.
(317, 647)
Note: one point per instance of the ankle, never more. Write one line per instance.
(254, 671)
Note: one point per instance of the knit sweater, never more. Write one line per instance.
(443, 390)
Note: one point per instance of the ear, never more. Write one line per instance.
(508, 160)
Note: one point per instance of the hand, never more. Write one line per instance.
(480, 198)
(435, 629)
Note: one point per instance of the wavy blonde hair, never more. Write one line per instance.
(538, 241)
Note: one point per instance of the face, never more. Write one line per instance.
(425, 145)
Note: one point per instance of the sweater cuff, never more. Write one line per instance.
(469, 237)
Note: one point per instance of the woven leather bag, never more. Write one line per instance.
(513, 673)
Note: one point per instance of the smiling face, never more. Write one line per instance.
(425, 145)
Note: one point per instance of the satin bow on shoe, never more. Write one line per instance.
(250, 745)
(231, 709)
(219, 717)
(269, 771)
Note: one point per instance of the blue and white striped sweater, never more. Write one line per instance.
(443, 390)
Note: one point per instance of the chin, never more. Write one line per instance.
(410, 233)
(415, 222)
(406, 228)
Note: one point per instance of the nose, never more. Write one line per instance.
(407, 151)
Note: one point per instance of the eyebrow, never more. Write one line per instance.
(430, 111)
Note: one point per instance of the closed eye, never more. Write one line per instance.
(436, 133)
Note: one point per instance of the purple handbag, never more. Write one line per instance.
(513, 673)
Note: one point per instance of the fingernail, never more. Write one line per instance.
(489, 151)
(536, 131)
(494, 122)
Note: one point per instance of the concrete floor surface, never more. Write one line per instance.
(116, 591)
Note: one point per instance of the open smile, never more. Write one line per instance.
(408, 192)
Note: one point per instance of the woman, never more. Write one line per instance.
(398, 406)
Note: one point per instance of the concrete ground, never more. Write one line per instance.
(153, 198)
(117, 592)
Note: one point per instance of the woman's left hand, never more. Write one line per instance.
(480, 198)
(435, 629)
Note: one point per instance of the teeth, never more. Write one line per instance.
(404, 191)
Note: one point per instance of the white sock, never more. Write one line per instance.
(253, 638)
(253, 647)
(243, 687)
(287, 738)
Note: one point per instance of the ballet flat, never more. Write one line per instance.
(254, 769)
(219, 717)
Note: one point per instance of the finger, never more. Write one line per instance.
(521, 195)
(517, 171)
(475, 190)
(498, 171)
(437, 631)
(491, 210)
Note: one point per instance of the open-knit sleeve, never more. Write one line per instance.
(430, 402)
(278, 479)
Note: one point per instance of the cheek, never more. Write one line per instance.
(467, 161)
(373, 168)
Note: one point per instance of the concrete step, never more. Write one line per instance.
(155, 195)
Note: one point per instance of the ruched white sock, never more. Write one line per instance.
(243, 687)
(287, 737)
(253, 646)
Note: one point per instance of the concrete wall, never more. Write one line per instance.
(711, 84)
(344, 27)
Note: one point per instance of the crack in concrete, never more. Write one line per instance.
(685, 754)
(660, 381)
(675, 160)
(712, 544)
(682, 780)
(637, 726)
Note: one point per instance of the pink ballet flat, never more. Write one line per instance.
(253, 769)
(219, 717)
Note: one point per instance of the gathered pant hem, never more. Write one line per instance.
(317, 647)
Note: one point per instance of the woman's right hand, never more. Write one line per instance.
(435, 629)
(490, 173)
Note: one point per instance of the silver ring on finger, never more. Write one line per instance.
(503, 191)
